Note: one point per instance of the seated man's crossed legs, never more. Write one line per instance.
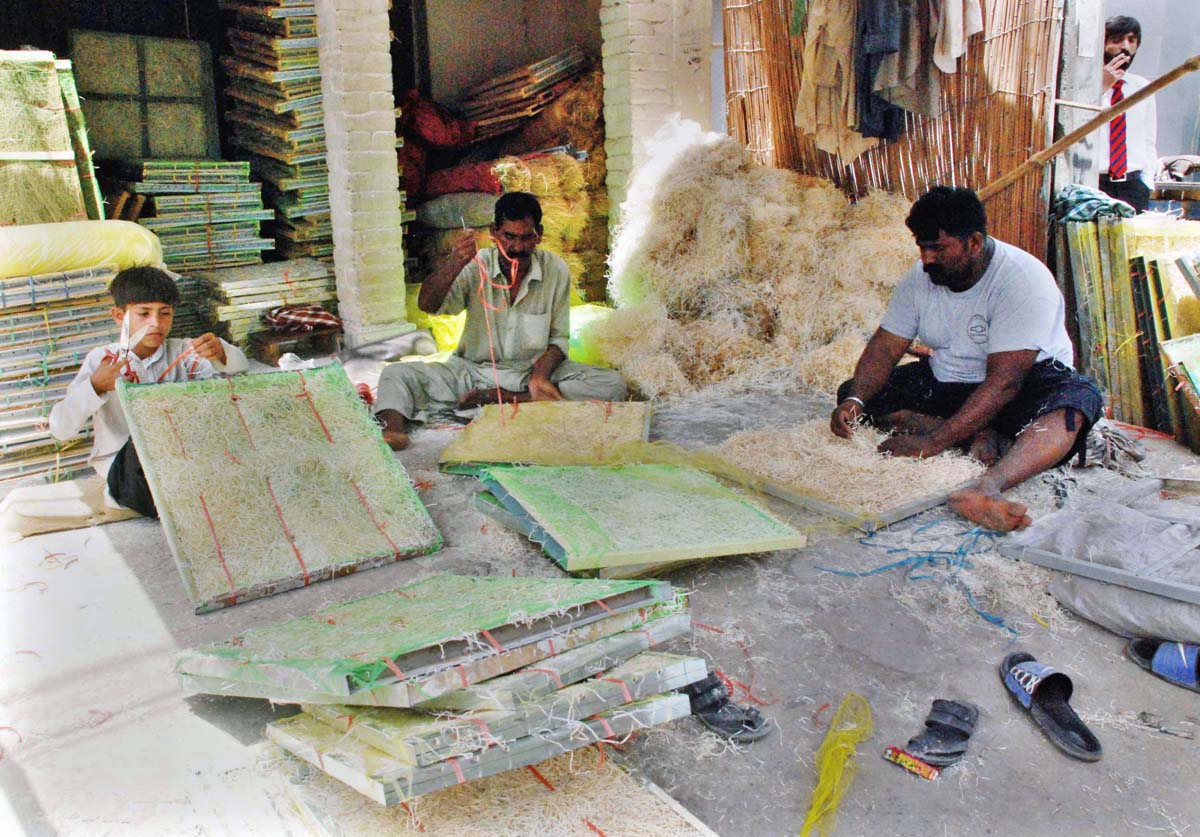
(1044, 425)
(413, 391)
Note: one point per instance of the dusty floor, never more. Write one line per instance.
(97, 737)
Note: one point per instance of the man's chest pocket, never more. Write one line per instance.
(528, 335)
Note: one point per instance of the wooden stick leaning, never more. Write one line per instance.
(1050, 152)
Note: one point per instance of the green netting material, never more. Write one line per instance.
(637, 514)
(273, 481)
(415, 628)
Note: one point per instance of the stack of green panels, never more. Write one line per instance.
(278, 119)
(238, 297)
(48, 324)
(201, 232)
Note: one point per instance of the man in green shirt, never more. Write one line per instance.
(515, 342)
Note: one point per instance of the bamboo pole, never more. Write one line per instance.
(1045, 155)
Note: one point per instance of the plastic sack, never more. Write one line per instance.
(446, 329)
(582, 350)
(33, 249)
(453, 211)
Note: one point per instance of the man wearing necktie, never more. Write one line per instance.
(1127, 149)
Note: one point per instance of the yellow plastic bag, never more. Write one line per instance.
(33, 249)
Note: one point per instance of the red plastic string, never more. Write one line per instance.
(189, 350)
(234, 398)
(305, 394)
(625, 693)
(537, 775)
(462, 780)
(462, 675)
(412, 816)
(217, 543)
(608, 731)
(594, 827)
(393, 668)
(492, 641)
(600, 747)
(287, 533)
(349, 721)
(370, 513)
(175, 432)
(707, 627)
(606, 608)
(649, 636)
(553, 675)
(483, 728)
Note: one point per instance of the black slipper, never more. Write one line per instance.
(947, 731)
(712, 705)
(1045, 692)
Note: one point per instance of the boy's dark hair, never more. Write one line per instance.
(135, 285)
(957, 211)
(517, 206)
(1119, 25)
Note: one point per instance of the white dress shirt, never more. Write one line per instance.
(1141, 132)
(111, 432)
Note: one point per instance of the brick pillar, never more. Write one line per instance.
(364, 184)
(656, 62)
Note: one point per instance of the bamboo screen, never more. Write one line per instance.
(996, 111)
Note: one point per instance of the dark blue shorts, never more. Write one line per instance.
(1049, 386)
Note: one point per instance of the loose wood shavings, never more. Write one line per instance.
(730, 267)
(847, 473)
(581, 794)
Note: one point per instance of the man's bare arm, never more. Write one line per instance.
(541, 388)
(1006, 372)
(438, 284)
(878, 359)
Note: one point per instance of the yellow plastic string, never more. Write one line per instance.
(835, 762)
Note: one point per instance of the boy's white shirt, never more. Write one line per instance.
(108, 420)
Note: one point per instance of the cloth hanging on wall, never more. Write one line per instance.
(826, 107)
(954, 23)
(908, 77)
(878, 38)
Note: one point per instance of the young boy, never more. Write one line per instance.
(143, 297)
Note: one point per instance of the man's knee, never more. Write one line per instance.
(592, 382)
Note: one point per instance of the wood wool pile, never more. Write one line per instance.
(848, 473)
(723, 269)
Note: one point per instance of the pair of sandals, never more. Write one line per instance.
(1046, 692)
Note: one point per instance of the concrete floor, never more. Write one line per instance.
(98, 738)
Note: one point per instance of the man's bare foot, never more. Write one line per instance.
(396, 439)
(989, 509)
(392, 424)
(985, 447)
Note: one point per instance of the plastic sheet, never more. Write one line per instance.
(34, 249)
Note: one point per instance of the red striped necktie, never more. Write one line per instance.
(1118, 160)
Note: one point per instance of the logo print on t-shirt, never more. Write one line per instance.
(977, 329)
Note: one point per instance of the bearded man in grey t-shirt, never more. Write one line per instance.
(999, 366)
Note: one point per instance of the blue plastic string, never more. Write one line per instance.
(953, 560)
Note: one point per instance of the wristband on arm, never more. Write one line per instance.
(861, 404)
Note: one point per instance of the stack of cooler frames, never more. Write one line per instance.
(49, 324)
(239, 297)
(454, 678)
(206, 213)
(275, 108)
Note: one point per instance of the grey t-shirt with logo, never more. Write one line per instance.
(1015, 305)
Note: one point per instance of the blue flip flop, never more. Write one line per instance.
(1045, 692)
(1175, 662)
